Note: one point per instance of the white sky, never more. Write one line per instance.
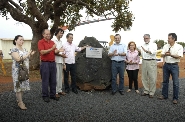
(155, 17)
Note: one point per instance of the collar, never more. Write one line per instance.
(173, 45)
(56, 39)
(117, 44)
(135, 51)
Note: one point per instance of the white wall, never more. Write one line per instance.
(7, 44)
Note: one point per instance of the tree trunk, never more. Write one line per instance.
(35, 59)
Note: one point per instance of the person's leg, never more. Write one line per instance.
(59, 78)
(175, 78)
(166, 76)
(129, 72)
(66, 77)
(152, 74)
(73, 76)
(144, 76)
(44, 69)
(19, 100)
(114, 77)
(121, 75)
(52, 79)
(135, 78)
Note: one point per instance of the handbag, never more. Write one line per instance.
(23, 71)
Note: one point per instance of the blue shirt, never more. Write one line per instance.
(121, 48)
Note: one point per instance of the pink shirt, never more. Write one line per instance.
(70, 52)
(135, 58)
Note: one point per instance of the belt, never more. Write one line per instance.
(148, 59)
(48, 61)
(176, 63)
(117, 61)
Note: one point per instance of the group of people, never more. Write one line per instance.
(129, 58)
(58, 59)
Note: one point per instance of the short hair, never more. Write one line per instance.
(67, 36)
(44, 31)
(174, 36)
(118, 35)
(58, 30)
(15, 39)
(131, 43)
(147, 35)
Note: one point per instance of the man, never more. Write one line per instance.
(149, 66)
(47, 49)
(59, 61)
(70, 49)
(172, 52)
(117, 53)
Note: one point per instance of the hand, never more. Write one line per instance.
(115, 53)
(33, 52)
(143, 49)
(54, 46)
(130, 62)
(63, 55)
(61, 49)
(167, 54)
(64, 67)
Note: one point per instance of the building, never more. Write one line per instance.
(7, 44)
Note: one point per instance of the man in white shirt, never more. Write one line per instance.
(59, 61)
(172, 52)
(149, 66)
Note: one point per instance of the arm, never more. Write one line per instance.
(153, 49)
(17, 57)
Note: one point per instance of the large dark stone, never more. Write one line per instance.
(92, 73)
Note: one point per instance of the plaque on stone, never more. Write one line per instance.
(92, 52)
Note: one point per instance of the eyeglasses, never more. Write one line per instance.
(146, 38)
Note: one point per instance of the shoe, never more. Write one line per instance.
(162, 97)
(175, 102)
(137, 91)
(62, 93)
(75, 91)
(46, 99)
(22, 106)
(144, 94)
(113, 93)
(129, 90)
(121, 92)
(55, 98)
(67, 91)
(151, 96)
(57, 95)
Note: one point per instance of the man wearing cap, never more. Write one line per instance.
(172, 52)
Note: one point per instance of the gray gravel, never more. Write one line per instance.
(93, 106)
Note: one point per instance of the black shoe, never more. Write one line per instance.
(46, 99)
(113, 93)
(121, 92)
(55, 98)
(144, 94)
(67, 91)
(75, 91)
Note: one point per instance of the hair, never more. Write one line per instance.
(117, 35)
(15, 39)
(58, 30)
(43, 31)
(174, 36)
(131, 43)
(147, 35)
(67, 36)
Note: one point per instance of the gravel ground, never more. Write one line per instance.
(93, 106)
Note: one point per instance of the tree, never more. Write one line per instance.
(181, 43)
(160, 43)
(37, 13)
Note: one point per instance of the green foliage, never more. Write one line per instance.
(181, 43)
(68, 12)
(160, 43)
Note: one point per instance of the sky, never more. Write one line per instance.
(154, 17)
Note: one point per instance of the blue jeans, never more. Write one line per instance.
(174, 71)
(118, 68)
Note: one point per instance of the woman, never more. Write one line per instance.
(17, 52)
(132, 60)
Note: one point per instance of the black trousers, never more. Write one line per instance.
(72, 69)
(133, 76)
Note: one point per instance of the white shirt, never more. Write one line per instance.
(70, 52)
(176, 49)
(58, 59)
(152, 47)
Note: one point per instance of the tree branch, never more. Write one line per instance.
(47, 7)
(16, 5)
(34, 11)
